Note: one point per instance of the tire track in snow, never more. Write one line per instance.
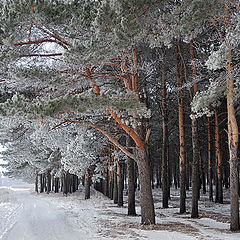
(8, 218)
(40, 219)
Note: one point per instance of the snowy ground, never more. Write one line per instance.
(30, 216)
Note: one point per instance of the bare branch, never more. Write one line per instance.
(41, 55)
(35, 42)
(106, 134)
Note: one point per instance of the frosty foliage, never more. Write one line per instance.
(25, 158)
(41, 107)
(58, 87)
(204, 102)
(226, 53)
(75, 35)
(183, 20)
(66, 149)
(117, 20)
(83, 152)
(219, 58)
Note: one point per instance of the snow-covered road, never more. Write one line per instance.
(36, 219)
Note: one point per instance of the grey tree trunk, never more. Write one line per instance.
(105, 183)
(110, 185)
(44, 182)
(56, 185)
(120, 182)
(187, 171)
(48, 181)
(182, 164)
(210, 163)
(195, 170)
(182, 188)
(115, 187)
(165, 192)
(87, 184)
(131, 188)
(66, 183)
(41, 183)
(36, 183)
(203, 178)
(164, 171)
(219, 187)
(234, 191)
(146, 198)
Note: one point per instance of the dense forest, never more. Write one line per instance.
(123, 94)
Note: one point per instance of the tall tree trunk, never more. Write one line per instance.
(210, 164)
(52, 184)
(111, 185)
(157, 177)
(187, 171)
(100, 186)
(175, 173)
(70, 183)
(137, 185)
(164, 174)
(238, 182)
(87, 184)
(56, 185)
(74, 183)
(131, 182)
(146, 198)
(182, 166)
(77, 182)
(45, 182)
(143, 162)
(195, 142)
(147, 207)
(125, 184)
(110, 172)
(36, 183)
(105, 182)
(182, 160)
(219, 189)
(48, 181)
(120, 182)
(66, 183)
(131, 188)
(203, 178)
(41, 183)
(62, 183)
(169, 182)
(195, 170)
(115, 187)
(233, 133)
(160, 173)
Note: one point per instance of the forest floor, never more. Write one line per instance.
(25, 215)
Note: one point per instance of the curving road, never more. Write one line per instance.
(38, 219)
